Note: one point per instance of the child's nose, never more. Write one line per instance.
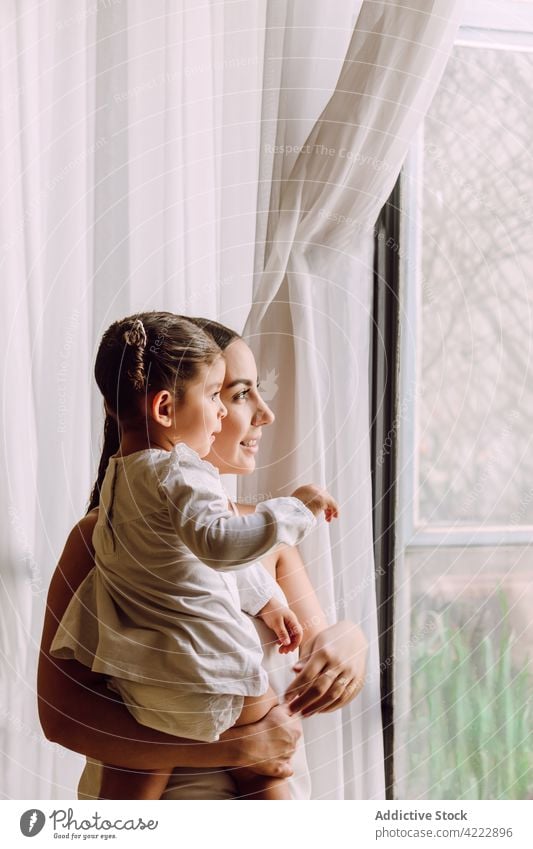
(222, 411)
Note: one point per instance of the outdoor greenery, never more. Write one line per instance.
(470, 731)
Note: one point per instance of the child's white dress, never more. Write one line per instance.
(188, 783)
(161, 612)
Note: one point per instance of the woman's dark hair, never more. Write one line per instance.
(147, 351)
(222, 335)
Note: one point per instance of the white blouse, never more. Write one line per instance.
(162, 605)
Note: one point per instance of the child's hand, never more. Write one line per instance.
(284, 623)
(317, 500)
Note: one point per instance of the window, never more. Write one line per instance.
(462, 489)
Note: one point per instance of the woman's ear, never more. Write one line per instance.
(162, 408)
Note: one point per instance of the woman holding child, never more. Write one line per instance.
(80, 712)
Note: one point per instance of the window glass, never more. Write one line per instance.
(463, 631)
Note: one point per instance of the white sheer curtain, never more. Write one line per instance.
(128, 176)
(136, 152)
(310, 325)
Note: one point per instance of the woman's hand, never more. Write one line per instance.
(267, 746)
(331, 670)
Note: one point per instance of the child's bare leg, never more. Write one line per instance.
(250, 784)
(120, 783)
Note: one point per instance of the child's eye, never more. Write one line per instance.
(215, 395)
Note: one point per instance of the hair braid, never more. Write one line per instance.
(110, 447)
(136, 339)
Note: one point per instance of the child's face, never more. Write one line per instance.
(200, 412)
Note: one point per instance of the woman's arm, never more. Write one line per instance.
(332, 665)
(291, 575)
(79, 712)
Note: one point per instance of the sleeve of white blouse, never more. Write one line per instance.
(256, 586)
(199, 512)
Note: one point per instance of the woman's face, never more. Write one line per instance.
(235, 447)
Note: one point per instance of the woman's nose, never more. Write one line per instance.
(263, 415)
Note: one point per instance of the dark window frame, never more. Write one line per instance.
(384, 388)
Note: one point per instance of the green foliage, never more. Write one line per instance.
(470, 729)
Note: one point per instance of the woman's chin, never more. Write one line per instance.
(240, 467)
(246, 460)
(242, 463)
(245, 470)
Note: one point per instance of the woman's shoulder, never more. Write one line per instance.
(74, 565)
(82, 532)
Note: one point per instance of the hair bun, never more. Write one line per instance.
(136, 335)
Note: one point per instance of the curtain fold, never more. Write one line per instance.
(310, 324)
(127, 184)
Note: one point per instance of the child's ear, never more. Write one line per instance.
(162, 408)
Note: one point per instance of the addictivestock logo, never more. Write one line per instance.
(32, 822)
(66, 824)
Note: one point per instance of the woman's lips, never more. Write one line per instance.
(251, 445)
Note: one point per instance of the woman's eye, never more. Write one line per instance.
(241, 395)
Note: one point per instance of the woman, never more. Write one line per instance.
(79, 712)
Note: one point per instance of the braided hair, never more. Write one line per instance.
(143, 353)
(135, 338)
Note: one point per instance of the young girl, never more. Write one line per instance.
(161, 613)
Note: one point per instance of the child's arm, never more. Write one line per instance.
(258, 592)
(284, 623)
(200, 515)
(256, 587)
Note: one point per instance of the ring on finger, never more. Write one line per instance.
(330, 673)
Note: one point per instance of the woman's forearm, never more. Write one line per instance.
(77, 723)
(293, 579)
(332, 665)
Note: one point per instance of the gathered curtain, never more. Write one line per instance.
(310, 326)
(141, 168)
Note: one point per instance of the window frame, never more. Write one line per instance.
(384, 373)
(413, 532)
(397, 299)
